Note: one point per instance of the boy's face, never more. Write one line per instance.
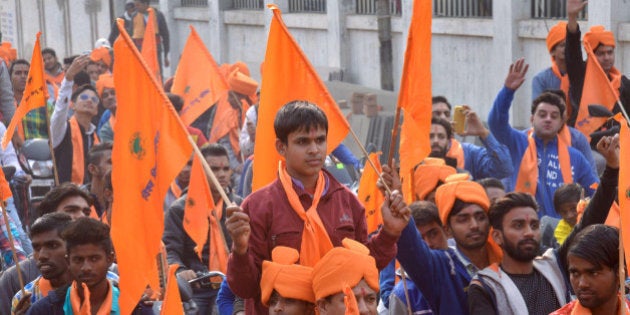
(304, 152)
(568, 212)
(49, 250)
(89, 264)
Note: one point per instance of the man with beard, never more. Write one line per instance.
(493, 160)
(54, 70)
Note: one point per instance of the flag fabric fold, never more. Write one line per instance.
(35, 92)
(370, 196)
(198, 79)
(283, 82)
(151, 146)
(149, 46)
(172, 298)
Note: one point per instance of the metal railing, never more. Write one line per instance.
(553, 9)
(368, 7)
(194, 3)
(313, 6)
(463, 8)
(249, 4)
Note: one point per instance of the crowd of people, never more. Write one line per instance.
(527, 222)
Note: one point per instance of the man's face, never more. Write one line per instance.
(557, 54)
(568, 212)
(304, 152)
(108, 97)
(251, 130)
(279, 305)
(49, 251)
(141, 7)
(86, 103)
(105, 163)
(494, 193)
(593, 285)
(546, 121)
(441, 110)
(520, 238)
(103, 67)
(89, 264)
(19, 76)
(94, 71)
(433, 234)
(220, 166)
(605, 56)
(470, 227)
(439, 141)
(50, 62)
(366, 300)
(75, 206)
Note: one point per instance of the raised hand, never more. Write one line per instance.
(516, 75)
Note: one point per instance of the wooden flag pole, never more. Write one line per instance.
(392, 144)
(13, 250)
(209, 172)
(367, 158)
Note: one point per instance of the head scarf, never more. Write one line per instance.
(101, 54)
(288, 279)
(597, 35)
(429, 174)
(241, 83)
(105, 81)
(557, 34)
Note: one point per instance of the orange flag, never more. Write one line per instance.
(370, 196)
(597, 90)
(172, 299)
(151, 146)
(283, 82)
(35, 92)
(5, 189)
(197, 79)
(624, 187)
(415, 91)
(149, 46)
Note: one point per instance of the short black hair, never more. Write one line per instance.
(98, 151)
(597, 244)
(54, 197)
(56, 221)
(440, 99)
(457, 207)
(18, 62)
(298, 115)
(82, 89)
(560, 93)
(50, 51)
(82, 78)
(87, 230)
(444, 123)
(549, 98)
(503, 205)
(69, 60)
(214, 149)
(571, 192)
(424, 212)
(176, 100)
(491, 182)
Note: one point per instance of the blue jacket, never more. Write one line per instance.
(550, 176)
(491, 160)
(544, 80)
(398, 300)
(439, 274)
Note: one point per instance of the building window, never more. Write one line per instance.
(312, 6)
(463, 8)
(249, 4)
(368, 7)
(194, 3)
(553, 9)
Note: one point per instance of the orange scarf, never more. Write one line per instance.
(44, 286)
(78, 156)
(456, 151)
(177, 192)
(218, 253)
(564, 85)
(578, 309)
(352, 307)
(527, 179)
(85, 307)
(140, 25)
(315, 240)
(565, 134)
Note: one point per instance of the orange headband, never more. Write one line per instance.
(597, 35)
(288, 279)
(466, 191)
(557, 34)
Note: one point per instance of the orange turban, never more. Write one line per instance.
(101, 54)
(105, 81)
(341, 266)
(241, 83)
(466, 191)
(241, 67)
(283, 275)
(427, 176)
(557, 34)
(597, 35)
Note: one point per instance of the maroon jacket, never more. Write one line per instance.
(273, 223)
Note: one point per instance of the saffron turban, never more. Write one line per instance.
(101, 54)
(344, 266)
(557, 34)
(105, 81)
(466, 191)
(241, 83)
(288, 279)
(597, 35)
(429, 174)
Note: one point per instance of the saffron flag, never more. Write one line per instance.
(624, 187)
(35, 92)
(5, 189)
(151, 146)
(597, 91)
(149, 46)
(172, 298)
(284, 82)
(415, 92)
(197, 79)
(370, 196)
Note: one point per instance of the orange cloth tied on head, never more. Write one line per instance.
(428, 175)
(241, 67)
(288, 279)
(466, 191)
(101, 54)
(598, 35)
(557, 34)
(242, 84)
(105, 81)
(342, 266)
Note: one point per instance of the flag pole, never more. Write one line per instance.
(208, 171)
(50, 147)
(392, 144)
(13, 250)
(367, 158)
